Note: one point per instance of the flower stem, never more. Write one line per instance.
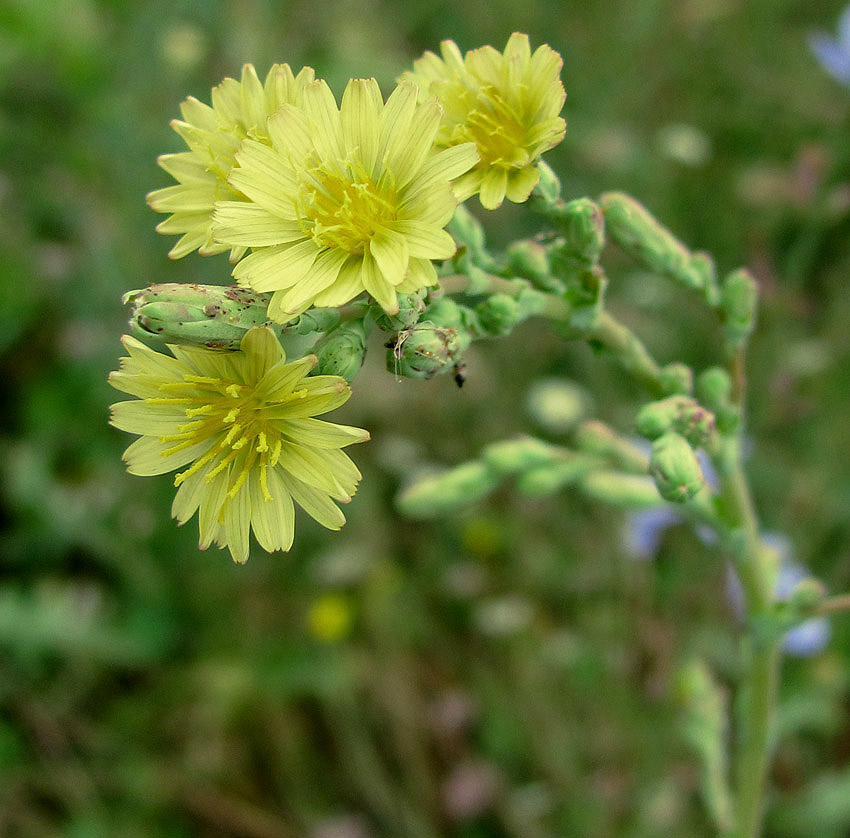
(756, 705)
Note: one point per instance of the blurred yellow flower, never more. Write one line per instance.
(329, 618)
(243, 423)
(239, 109)
(345, 200)
(506, 103)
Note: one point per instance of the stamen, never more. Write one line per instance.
(194, 468)
(198, 411)
(264, 480)
(231, 417)
(233, 390)
(231, 434)
(163, 400)
(225, 461)
(273, 460)
(243, 476)
(262, 444)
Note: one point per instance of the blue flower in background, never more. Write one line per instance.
(804, 640)
(834, 53)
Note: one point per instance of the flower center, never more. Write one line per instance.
(232, 417)
(341, 207)
(496, 126)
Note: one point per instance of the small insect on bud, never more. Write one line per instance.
(675, 468)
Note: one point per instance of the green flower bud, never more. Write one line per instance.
(427, 350)
(410, 308)
(704, 264)
(528, 259)
(675, 468)
(204, 315)
(548, 479)
(738, 300)
(314, 320)
(499, 314)
(675, 413)
(466, 230)
(549, 186)
(677, 379)
(714, 387)
(654, 247)
(595, 437)
(582, 225)
(341, 351)
(806, 596)
(631, 491)
(448, 491)
(511, 456)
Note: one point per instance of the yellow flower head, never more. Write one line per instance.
(344, 200)
(239, 109)
(506, 103)
(243, 423)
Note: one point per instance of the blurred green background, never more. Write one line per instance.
(503, 673)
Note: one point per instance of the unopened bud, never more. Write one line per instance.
(512, 456)
(595, 437)
(446, 492)
(806, 596)
(527, 259)
(498, 314)
(466, 230)
(675, 468)
(654, 247)
(582, 225)
(427, 350)
(203, 315)
(314, 320)
(739, 298)
(676, 413)
(714, 387)
(410, 308)
(677, 379)
(548, 479)
(631, 491)
(341, 351)
(549, 186)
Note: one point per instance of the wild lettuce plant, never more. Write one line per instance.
(345, 217)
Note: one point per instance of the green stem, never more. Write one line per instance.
(756, 706)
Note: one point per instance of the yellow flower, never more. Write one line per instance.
(239, 109)
(345, 200)
(242, 422)
(506, 103)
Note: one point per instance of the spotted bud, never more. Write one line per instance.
(215, 316)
